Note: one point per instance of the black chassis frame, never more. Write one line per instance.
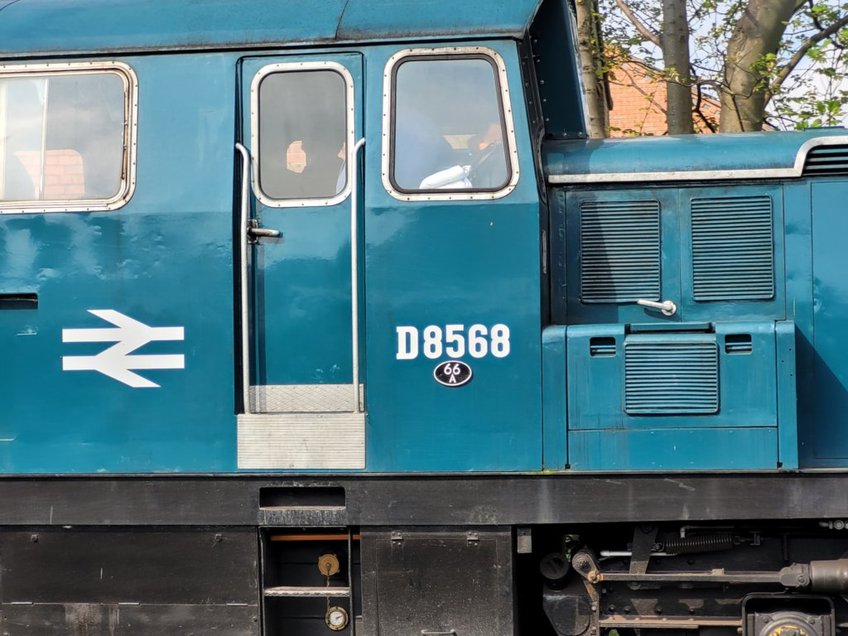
(421, 500)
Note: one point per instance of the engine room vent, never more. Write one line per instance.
(619, 251)
(824, 161)
(732, 248)
(671, 378)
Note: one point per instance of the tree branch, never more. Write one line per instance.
(813, 17)
(641, 27)
(816, 22)
(696, 109)
(799, 54)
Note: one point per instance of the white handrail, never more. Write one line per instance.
(354, 267)
(245, 313)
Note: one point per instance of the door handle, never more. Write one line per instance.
(667, 307)
(254, 232)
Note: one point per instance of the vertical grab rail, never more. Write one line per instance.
(245, 314)
(354, 267)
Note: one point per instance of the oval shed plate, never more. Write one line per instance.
(452, 373)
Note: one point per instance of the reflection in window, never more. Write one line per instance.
(62, 137)
(448, 126)
(302, 134)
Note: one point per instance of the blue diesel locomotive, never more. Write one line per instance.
(326, 317)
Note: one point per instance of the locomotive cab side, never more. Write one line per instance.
(328, 314)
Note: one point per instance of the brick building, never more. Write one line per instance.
(639, 100)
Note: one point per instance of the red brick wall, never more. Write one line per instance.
(639, 101)
(64, 172)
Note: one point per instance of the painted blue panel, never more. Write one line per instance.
(787, 404)
(748, 372)
(595, 382)
(557, 71)
(716, 286)
(675, 449)
(371, 19)
(830, 306)
(619, 251)
(670, 376)
(95, 25)
(673, 156)
(559, 254)
(554, 398)
(164, 259)
(732, 248)
(747, 389)
(632, 261)
(677, 269)
(799, 302)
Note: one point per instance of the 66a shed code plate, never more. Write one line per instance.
(452, 373)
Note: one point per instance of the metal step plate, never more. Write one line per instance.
(303, 398)
(301, 441)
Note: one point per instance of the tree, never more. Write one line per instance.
(778, 59)
(590, 51)
(674, 42)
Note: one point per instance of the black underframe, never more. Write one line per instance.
(219, 500)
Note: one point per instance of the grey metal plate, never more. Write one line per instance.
(304, 398)
(301, 440)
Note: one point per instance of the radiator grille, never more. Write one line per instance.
(827, 161)
(619, 251)
(732, 248)
(677, 378)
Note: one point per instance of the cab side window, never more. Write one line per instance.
(303, 130)
(63, 138)
(449, 131)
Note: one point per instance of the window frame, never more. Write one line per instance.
(505, 105)
(128, 168)
(289, 67)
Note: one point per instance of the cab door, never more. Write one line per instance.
(298, 235)
(452, 225)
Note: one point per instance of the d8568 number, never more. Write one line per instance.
(455, 341)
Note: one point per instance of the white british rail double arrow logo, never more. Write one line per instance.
(128, 335)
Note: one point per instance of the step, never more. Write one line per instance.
(301, 592)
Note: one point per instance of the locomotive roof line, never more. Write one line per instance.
(684, 157)
(45, 27)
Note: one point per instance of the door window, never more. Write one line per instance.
(302, 130)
